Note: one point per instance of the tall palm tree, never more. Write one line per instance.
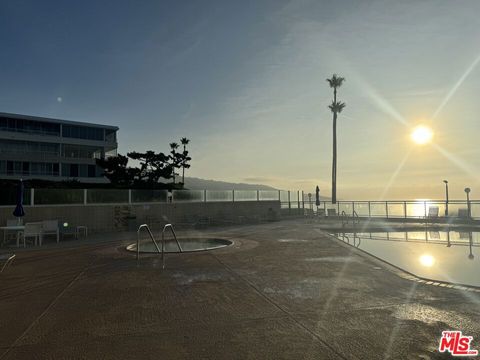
(336, 107)
(174, 158)
(184, 142)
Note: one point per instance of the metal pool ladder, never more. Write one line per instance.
(345, 218)
(167, 226)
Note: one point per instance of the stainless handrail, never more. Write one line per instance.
(168, 226)
(344, 218)
(151, 236)
(355, 217)
(8, 261)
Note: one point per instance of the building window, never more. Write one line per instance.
(29, 147)
(74, 170)
(10, 168)
(82, 132)
(26, 168)
(82, 152)
(91, 170)
(29, 126)
(110, 136)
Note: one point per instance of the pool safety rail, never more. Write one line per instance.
(7, 260)
(429, 210)
(346, 218)
(291, 202)
(75, 197)
(162, 251)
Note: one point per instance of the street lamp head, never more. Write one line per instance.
(445, 181)
(467, 190)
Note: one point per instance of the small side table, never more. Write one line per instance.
(81, 228)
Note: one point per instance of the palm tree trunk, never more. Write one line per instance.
(334, 162)
(183, 166)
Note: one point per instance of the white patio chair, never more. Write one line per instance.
(16, 234)
(433, 212)
(32, 230)
(50, 227)
(332, 212)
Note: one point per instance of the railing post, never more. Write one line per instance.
(303, 200)
(289, 203)
(129, 196)
(32, 197)
(338, 207)
(205, 195)
(353, 208)
(298, 199)
(386, 208)
(84, 196)
(369, 210)
(425, 208)
(258, 195)
(405, 209)
(279, 196)
(233, 195)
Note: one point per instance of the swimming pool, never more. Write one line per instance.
(447, 256)
(187, 244)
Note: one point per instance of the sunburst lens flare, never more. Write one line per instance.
(421, 135)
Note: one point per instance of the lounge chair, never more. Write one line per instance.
(433, 212)
(332, 212)
(14, 222)
(5, 261)
(32, 230)
(321, 212)
(50, 227)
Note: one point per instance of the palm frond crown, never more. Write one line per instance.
(337, 107)
(336, 81)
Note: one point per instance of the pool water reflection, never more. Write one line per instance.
(451, 256)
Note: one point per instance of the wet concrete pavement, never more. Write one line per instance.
(284, 290)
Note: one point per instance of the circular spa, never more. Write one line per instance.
(187, 244)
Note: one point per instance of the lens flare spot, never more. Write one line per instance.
(427, 260)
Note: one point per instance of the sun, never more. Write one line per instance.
(422, 135)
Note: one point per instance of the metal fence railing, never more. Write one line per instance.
(43, 197)
(396, 209)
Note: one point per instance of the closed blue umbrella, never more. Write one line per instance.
(317, 196)
(19, 212)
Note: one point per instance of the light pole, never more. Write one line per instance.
(446, 197)
(470, 243)
(467, 191)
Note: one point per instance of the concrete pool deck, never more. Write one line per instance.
(284, 290)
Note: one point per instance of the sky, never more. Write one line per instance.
(245, 82)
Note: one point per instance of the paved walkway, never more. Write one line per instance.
(284, 290)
